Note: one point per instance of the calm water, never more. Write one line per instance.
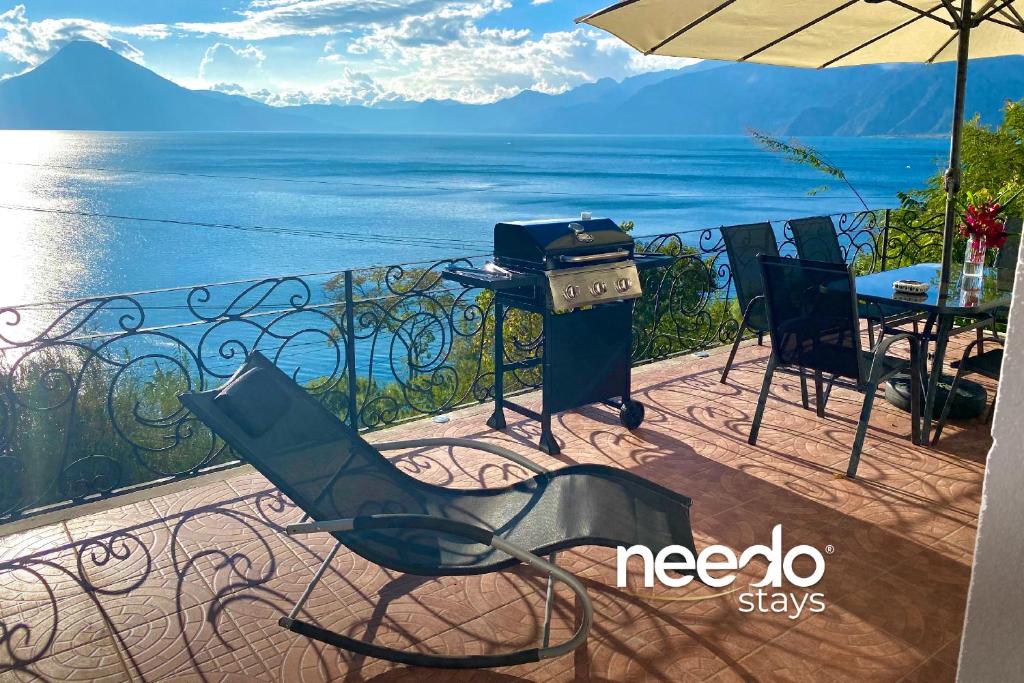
(295, 203)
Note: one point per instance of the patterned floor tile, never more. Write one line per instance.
(96, 662)
(190, 586)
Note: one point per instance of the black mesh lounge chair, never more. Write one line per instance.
(349, 490)
(812, 315)
(743, 244)
(985, 363)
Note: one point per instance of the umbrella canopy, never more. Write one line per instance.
(828, 33)
(811, 33)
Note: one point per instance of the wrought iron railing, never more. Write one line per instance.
(88, 388)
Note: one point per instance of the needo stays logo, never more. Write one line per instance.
(717, 565)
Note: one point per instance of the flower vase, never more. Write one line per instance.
(974, 256)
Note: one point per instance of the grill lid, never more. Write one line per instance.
(540, 243)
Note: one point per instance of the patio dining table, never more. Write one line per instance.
(968, 305)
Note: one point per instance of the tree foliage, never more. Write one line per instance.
(992, 162)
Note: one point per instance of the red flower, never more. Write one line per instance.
(983, 221)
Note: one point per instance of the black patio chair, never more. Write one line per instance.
(349, 490)
(816, 239)
(1006, 266)
(812, 315)
(1006, 260)
(743, 244)
(986, 364)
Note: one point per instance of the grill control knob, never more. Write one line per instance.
(623, 284)
(598, 288)
(571, 292)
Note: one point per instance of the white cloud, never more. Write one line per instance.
(30, 43)
(376, 51)
(540, 2)
(222, 62)
(264, 19)
(229, 88)
(483, 65)
(351, 88)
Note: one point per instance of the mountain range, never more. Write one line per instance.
(85, 86)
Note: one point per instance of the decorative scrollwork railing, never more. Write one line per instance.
(88, 388)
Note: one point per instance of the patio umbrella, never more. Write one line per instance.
(829, 33)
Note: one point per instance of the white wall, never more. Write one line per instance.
(993, 642)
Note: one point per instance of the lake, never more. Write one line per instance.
(233, 206)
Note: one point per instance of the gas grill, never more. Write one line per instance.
(581, 276)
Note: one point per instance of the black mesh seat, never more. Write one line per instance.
(812, 313)
(347, 488)
(743, 244)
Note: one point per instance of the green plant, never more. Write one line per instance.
(800, 153)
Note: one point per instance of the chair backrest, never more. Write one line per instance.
(319, 462)
(812, 314)
(1007, 256)
(816, 239)
(743, 244)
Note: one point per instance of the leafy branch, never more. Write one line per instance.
(805, 155)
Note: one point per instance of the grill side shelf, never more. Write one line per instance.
(477, 278)
(649, 261)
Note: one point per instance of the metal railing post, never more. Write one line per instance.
(885, 242)
(350, 352)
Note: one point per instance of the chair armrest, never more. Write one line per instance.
(882, 347)
(880, 351)
(465, 443)
(477, 535)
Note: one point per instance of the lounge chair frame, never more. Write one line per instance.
(261, 410)
(545, 650)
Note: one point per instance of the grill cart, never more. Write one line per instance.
(581, 276)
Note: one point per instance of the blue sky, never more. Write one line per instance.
(335, 51)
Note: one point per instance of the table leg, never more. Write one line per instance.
(945, 326)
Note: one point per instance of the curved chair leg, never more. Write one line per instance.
(819, 394)
(804, 400)
(992, 409)
(947, 405)
(295, 625)
(549, 602)
(732, 351)
(944, 416)
(916, 398)
(862, 428)
(828, 391)
(766, 384)
(739, 337)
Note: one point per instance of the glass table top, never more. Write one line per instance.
(967, 295)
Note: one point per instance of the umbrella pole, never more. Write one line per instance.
(953, 172)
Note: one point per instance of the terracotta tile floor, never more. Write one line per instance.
(189, 586)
